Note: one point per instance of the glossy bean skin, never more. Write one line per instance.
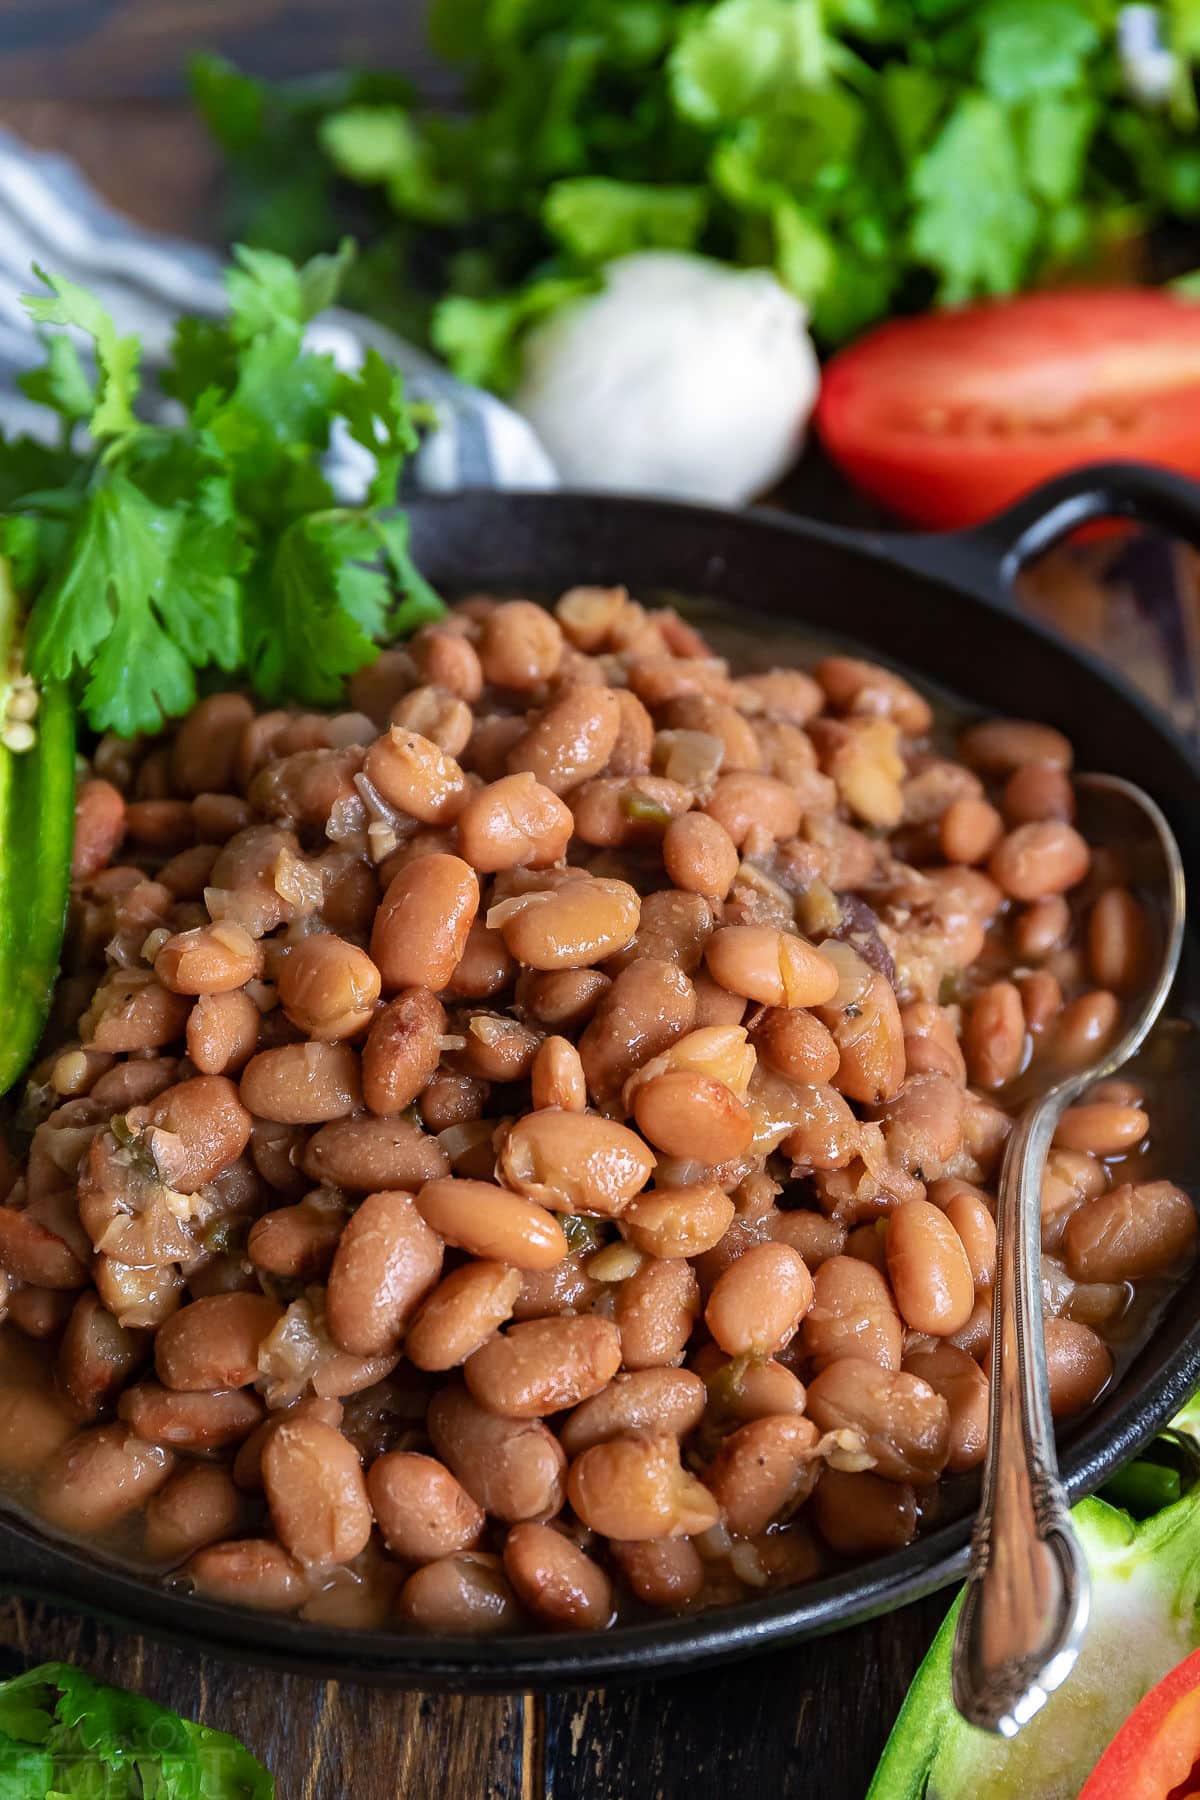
(1038, 790)
(213, 1344)
(634, 1488)
(678, 1221)
(557, 1077)
(928, 1269)
(387, 1260)
(572, 740)
(209, 959)
(1042, 928)
(402, 1050)
(1078, 1365)
(513, 823)
(1085, 1028)
(198, 1505)
(316, 1492)
(296, 1241)
(558, 1585)
(863, 1019)
(513, 1468)
(491, 1222)
(302, 1084)
(796, 1044)
(572, 926)
(643, 1400)
(544, 1365)
(662, 1572)
(362, 1154)
(422, 1511)
(963, 1385)
(761, 1470)
(329, 987)
(1118, 941)
(994, 1035)
(771, 966)
(1139, 1229)
(1037, 860)
(1101, 1128)
(222, 1032)
(461, 1314)
(575, 1162)
(852, 1314)
(976, 1230)
(424, 918)
(757, 1304)
(416, 776)
(96, 1356)
(700, 855)
(655, 1310)
(462, 1595)
(99, 1476)
(254, 1572)
(904, 1424)
(685, 1113)
(864, 1515)
(1001, 745)
(35, 1423)
(648, 1006)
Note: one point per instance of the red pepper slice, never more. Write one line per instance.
(1154, 1755)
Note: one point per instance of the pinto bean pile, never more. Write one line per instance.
(520, 1151)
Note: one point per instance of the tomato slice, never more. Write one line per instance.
(948, 417)
(1154, 1755)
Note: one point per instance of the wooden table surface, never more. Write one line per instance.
(102, 80)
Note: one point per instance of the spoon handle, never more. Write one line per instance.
(1026, 1601)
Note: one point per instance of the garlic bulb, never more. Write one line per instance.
(681, 376)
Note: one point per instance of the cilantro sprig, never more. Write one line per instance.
(151, 554)
(61, 1734)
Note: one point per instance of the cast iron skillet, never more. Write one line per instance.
(941, 607)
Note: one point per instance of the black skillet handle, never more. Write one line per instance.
(988, 557)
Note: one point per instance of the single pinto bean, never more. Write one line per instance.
(852, 1314)
(213, 1343)
(328, 987)
(904, 1424)
(492, 1222)
(963, 1385)
(402, 1051)
(1001, 745)
(461, 1313)
(863, 1018)
(99, 828)
(796, 1044)
(520, 645)
(1118, 936)
(976, 1228)
(1042, 928)
(864, 1515)
(316, 1492)
(98, 1477)
(423, 1512)
(557, 1078)
(969, 831)
(928, 1269)
(572, 740)
(461, 1595)
(211, 959)
(557, 1583)
(297, 1242)
(365, 1154)
(1140, 1229)
(649, 1005)
(416, 776)
(663, 1572)
(689, 1114)
(575, 1162)
(762, 1471)
(436, 714)
(994, 1035)
(700, 855)
(678, 1221)
(544, 1365)
(1078, 1365)
(646, 1400)
(1038, 790)
(1085, 1028)
(757, 1304)
(655, 1310)
(34, 1424)
(570, 926)
(222, 1032)
(771, 966)
(97, 1355)
(197, 1506)
(633, 1488)
(1102, 1128)
(514, 823)
(513, 1468)
(252, 1572)
(1039, 859)
(302, 1084)
(386, 1261)
(423, 922)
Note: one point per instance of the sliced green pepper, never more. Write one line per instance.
(37, 826)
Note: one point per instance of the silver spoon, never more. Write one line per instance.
(1025, 1608)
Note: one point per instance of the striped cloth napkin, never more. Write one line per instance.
(50, 216)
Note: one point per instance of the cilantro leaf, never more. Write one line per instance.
(61, 384)
(117, 357)
(974, 224)
(300, 638)
(380, 144)
(63, 1734)
(596, 220)
(1032, 47)
(745, 55)
(372, 403)
(268, 294)
(1057, 132)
